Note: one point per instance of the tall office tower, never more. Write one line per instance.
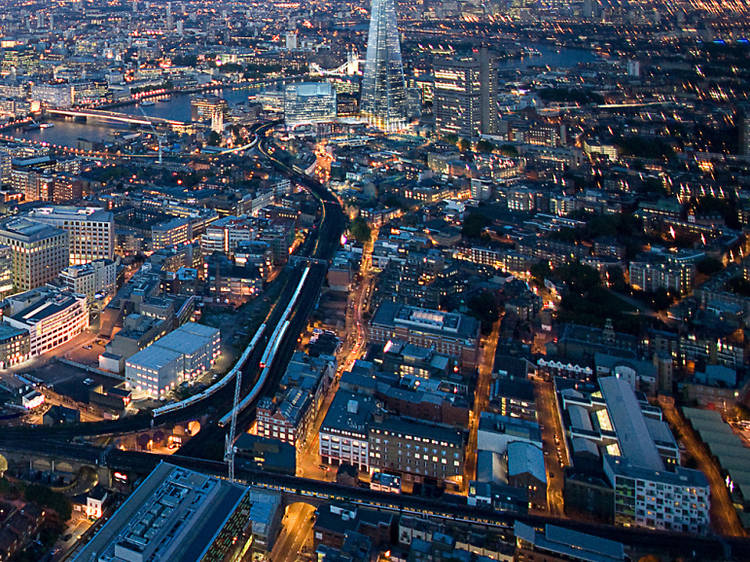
(744, 126)
(383, 101)
(465, 96)
(92, 230)
(39, 251)
(170, 22)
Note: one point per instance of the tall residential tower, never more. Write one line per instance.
(465, 102)
(383, 88)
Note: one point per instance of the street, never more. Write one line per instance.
(74, 529)
(296, 534)
(724, 518)
(553, 444)
(481, 401)
(308, 461)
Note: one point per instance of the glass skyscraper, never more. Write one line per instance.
(383, 88)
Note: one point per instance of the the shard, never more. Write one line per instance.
(383, 101)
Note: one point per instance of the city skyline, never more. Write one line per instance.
(374, 281)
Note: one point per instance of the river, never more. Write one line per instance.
(177, 106)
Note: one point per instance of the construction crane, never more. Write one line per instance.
(157, 135)
(229, 446)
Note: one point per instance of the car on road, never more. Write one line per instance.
(88, 346)
(324, 467)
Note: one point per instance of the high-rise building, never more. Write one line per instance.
(465, 96)
(745, 131)
(383, 87)
(39, 251)
(291, 41)
(309, 102)
(91, 229)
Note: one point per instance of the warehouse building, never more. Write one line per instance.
(181, 356)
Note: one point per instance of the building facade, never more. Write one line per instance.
(343, 436)
(91, 230)
(309, 102)
(383, 101)
(181, 356)
(416, 448)
(52, 317)
(98, 276)
(39, 251)
(672, 501)
(465, 102)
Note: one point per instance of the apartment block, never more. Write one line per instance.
(39, 251)
(91, 230)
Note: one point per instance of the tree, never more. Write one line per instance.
(44, 496)
(463, 145)
(485, 146)
(483, 306)
(540, 271)
(474, 224)
(579, 278)
(360, 230)
(508, 150)
(709, 266)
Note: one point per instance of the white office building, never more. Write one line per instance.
(51, 316)
(343, 435)
(91, 278)
(181, 356)
(91, 230)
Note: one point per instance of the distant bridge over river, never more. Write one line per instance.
(112, 116)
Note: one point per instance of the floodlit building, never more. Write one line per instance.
(91, 278)
(658, 499)
(383, 101)
(52, 317)
(343, 436)
(226, 233)
(180, 356)
(91, 230)
(612, 427)
(39, 251)
(309, 102)
(171, 233)
(14, 345)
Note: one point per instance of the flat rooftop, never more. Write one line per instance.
(427, 320)
(28, 230)
(629, 423)
(44, 308)
(349, 412)
(175, 514)
(68, 212)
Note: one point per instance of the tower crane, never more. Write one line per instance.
(229, 446)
